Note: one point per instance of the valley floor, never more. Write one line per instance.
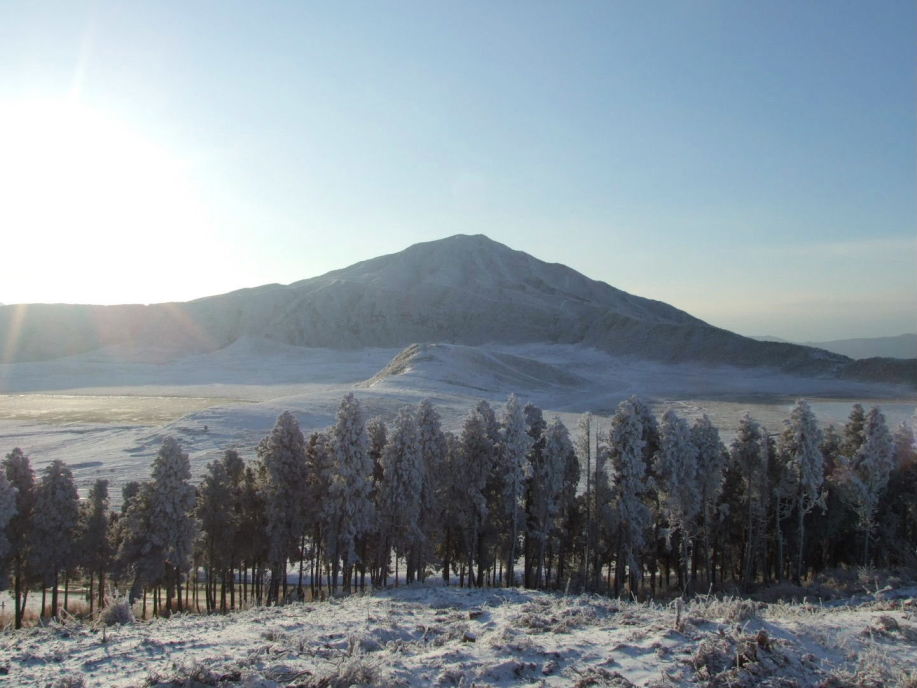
(447, 636)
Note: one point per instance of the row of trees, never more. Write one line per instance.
(631, 504)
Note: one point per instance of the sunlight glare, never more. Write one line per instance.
(82, 194)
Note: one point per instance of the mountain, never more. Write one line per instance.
(901, 346)
(466, 290)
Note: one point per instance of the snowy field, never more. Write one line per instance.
(437, 636)
(105, 412)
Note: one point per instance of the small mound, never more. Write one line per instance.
(472, 367)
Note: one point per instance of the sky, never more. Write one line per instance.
(751, 163)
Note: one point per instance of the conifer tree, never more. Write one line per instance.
(548, 489)
(866, 474)
(431, 443)
(170, 501)
(54, 526)
(516, 469)
(749, 463)
(7, 511)
(676, 469)
(712, 459)
(349, 509)
(282, 455)
(94, 546)
(20, 475)
(854, 431)
(215, 513)
(629, 486)
(800, 449)
(586, 453)
(476, 452)
(401, 491)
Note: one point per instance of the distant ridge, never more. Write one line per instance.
(900, 346)
(464, 289)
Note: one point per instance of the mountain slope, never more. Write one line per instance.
(462, 290)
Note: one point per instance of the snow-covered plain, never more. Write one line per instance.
(106, 412)
(447, 636)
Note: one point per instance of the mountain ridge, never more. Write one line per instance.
(464, 289)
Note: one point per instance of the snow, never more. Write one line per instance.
(433, 635)
(106, 413)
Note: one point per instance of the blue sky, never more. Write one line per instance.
(751, 163)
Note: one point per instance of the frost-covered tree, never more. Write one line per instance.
(629, 486)
(139, 560)
(547, 489)
(903, 441)
(215, 511)
(7, 511)
(676, 469)
(20, 475)
(401, 491)
(866, 473)
(712, 459)
(170, 501)
(515, 444)
(349, 510)
(854, 431)
(748, 465)
(535, 426)
(54, 526)
(585, 450)
(803, 470)
(476, 451)
(431, 443)
(282, 455)
(94, 547)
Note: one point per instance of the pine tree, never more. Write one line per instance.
(866, 473)
(676, 468)
(548, 488)
(431, 443)
(749, 464)
(282, 455)
(853, 431)
(19, 529)
(349, 510)
(903, 441)
(139, 559)
(401, 491)
(515, 467)
(54, 526)
(800, 450)
(170, 501)
(94, 547)
(585, 450)
(712, 459)
(474, 460)
(629, 486)
(215, 513)
(7, 511)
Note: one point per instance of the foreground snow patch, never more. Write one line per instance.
(419, 636)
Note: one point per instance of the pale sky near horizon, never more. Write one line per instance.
(750, 163)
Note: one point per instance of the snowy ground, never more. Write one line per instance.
(105, 413)
(421, 636)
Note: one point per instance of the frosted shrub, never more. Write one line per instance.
(118, 612)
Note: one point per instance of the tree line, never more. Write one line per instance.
(630, 504)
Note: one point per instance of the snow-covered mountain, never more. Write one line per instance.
(466, 290)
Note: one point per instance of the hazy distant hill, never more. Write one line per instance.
(463, 290)
(902, 346)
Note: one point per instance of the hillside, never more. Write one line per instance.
(461, 290)
(425, 636)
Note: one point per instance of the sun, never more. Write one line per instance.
(82, 189)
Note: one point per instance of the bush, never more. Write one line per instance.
(117, 612)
